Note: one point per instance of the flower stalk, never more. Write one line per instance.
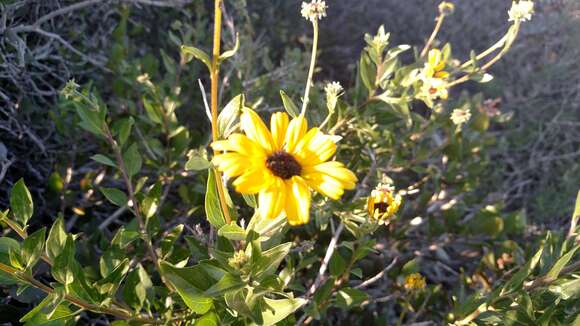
(306, 99)
(214, 99)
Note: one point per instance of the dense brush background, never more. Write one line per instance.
(536, 160)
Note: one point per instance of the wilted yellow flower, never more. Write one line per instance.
(383, 203)
(521, 10)
(446, 8)
(314, 10)
(415, 281)
(282, 165)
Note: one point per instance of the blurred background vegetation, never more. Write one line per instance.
(534, 166)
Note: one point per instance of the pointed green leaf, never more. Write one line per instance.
(21, 203)
(233, 51)
(56, 239)
(33, 247)
(190, 283)
(115, 196)
(215, 215)
(103, 160)
(561, 263)
(229, 115)
(232, 231)
(289, 105)
(196, 163)
(132, 160)
(190, 52)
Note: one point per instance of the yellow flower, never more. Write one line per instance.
(382, 204)
(434, 68)
(282, 165)
(415, 281)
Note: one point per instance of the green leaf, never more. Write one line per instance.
(91, 120)
(169, 239)
(123, 129)
(227, 283)
(153, 111)
(7, 245)
(132, 160)
(190, 283)
(215, 215)
(233, 51)
(269, 260)
(561, 263)
(349, 298)
(277, 310)
(113, 280)
(232, 231)
(21, 203)
(56, 239)
(566, 290)
(32, 248)
(63, 268)
(576, 214)
(190, 52)
(115, 196)
(208, 319)
(337, 264)
(229, 115)
(137, 286)
(197, 163)
(103, 160)
(517, 280)
(250, 200)
(289, 105)
(367, 72)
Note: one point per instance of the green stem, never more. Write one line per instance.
(306, 99)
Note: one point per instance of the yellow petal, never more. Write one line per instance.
(256, 130)
(296, 130)
(238, 143)
(232, 164)
(335, 170)
(278, 126)
(271, 200)
(325, 185)
(434, 57)
(315, 148)
(297, 205)
(253, 181)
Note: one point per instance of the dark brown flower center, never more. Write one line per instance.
(382, 207)
(283, 165)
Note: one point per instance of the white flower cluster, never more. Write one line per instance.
(333, 92)
(460, 116)
(521, 11)
(315, 10)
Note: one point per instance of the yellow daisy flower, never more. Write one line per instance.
(382, 204)
(434, 68)
(282, 165)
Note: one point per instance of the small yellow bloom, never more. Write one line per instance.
(434, 68)
(383, 203)
(282, 165)
(415, 281)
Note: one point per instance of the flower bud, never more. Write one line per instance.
(521, 11)
(446, 8)
(383, 203)
(415, 281)
(313, 11)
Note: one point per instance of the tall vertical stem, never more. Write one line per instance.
(217, 29)
(312, 65)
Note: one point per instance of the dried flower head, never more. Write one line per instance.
(415, 281)
(446, 8)
(491, 107)
(314, 10)
(460, 116)
(521, 11)
(383, 203)
(333, 91)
